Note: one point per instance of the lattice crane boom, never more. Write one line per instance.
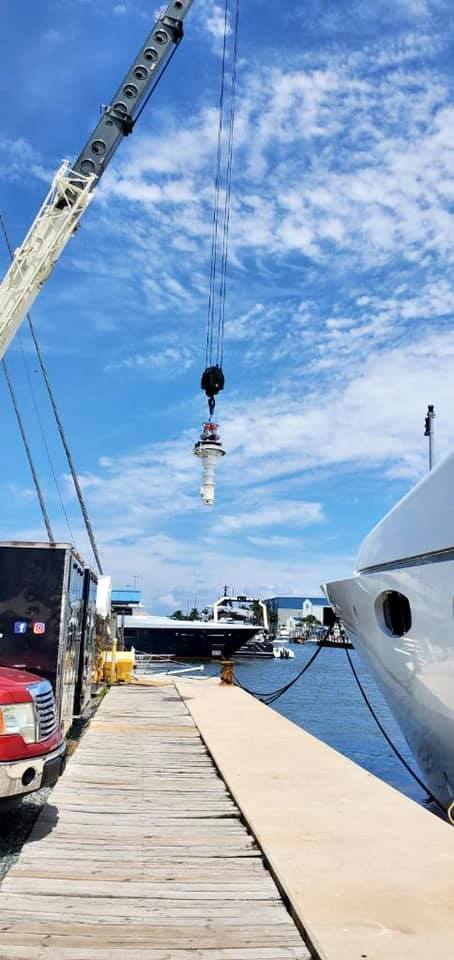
(73, 185)
(34, 260)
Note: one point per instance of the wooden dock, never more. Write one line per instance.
(141, 853)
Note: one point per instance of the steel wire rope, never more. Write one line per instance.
(215, 215)
(396, 751)
(44, 438)
(58, 421)
(34, 474)
(228, 190)
(67, 450)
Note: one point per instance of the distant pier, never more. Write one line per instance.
(194, 823)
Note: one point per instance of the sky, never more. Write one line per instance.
(339, 300)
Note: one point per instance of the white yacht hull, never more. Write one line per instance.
(411, 554)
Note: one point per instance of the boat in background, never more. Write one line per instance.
(282, 653)
(224, 612)
(398, 611)
(259, 646)
(185, 639)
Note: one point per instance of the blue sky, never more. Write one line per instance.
(340, 296)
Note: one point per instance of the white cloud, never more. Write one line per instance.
(19, 160)
(298, 513)
(329, 161)
(53, 36)
(173, 359)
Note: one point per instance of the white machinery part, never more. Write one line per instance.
(240, 599)
(209, 454)
(104, 597)
(34, 260)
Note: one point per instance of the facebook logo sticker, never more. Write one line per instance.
(20, 626)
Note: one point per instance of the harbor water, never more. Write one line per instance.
(327, 703)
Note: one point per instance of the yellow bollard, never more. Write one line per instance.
(113, 664)
(227, 677)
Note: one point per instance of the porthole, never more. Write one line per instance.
(150, 54)
(120, 107)
(396, 613)
(130, 90)
(161, 37)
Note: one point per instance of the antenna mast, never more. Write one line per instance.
(429, 432)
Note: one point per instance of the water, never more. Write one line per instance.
(327, 703)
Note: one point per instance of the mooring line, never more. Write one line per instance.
(449, 811)
(274, 695)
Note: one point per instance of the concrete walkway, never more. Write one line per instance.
(369, 873)
(141, 853)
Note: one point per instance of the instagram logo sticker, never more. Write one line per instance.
(39, 628)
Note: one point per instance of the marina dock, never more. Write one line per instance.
(141, 853)
(194, 823)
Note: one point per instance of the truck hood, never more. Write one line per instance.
(14, 684)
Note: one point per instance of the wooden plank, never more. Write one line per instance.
(142, 851)
(96, 952)
(144, 889)
(192, 934)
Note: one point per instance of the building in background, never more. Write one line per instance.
(281, 609)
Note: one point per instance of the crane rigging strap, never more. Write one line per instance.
(44, 438)
(213, 378)
(61, 431)
(66, 448)
(33, 472)
(228, 190)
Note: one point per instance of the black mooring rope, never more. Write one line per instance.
(273, 695)
(395, 750)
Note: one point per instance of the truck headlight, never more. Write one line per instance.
(18, 718)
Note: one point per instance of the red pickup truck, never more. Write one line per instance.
(32, 750)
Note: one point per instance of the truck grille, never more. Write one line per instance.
(43, 698)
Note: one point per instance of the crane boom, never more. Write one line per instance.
(73, 185)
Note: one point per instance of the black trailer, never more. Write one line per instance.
(42, 616)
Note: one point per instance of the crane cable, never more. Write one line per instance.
(44, 438)
(228, 191)
(213, 378)
(20, 423)
(59, 423)
(67, 450)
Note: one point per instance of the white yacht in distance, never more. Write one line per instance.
(398, 610)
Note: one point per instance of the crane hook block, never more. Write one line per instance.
(212, 381)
